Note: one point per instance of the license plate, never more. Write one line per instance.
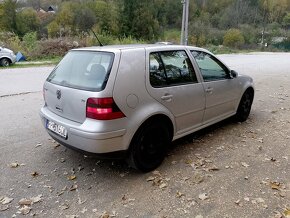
(58, 129)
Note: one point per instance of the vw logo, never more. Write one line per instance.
(58, 94)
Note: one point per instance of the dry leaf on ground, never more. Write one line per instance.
(6, 200)
(203, 196)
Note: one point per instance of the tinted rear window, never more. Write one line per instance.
(85, 70)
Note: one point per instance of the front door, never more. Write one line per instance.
(221, 89)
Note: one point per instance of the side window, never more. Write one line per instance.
(211, 69)
(170, 68)
(156, 70)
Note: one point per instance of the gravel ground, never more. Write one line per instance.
(227, 170)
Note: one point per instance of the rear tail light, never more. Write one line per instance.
(103, 109)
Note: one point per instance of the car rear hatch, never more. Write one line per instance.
(80, 75)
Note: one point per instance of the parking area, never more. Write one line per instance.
(228, 170)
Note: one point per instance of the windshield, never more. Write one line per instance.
(85, 70)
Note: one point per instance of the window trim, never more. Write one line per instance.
(222, 65)
(168, 84)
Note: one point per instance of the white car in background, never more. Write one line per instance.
(7, 57)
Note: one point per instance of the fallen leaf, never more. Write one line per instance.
(73, 187)
(238, 202)
(197, 178)
(64, 206)
(24, 210)
(244, 164)
(213, 168)
(34, 174)
(179, 194)
(14, 165)
(275, 185)
(203, 196)
(287, 213)
(282, 194)
(80, 201)
(3, 208)
(56, 145)
(72, 177)
(84, 210)
(25, 201)
(150, 178)
(36, 199)
(260, 200)
(163, 185)
(105, 215)
(6, 200)
(156, 172)
(38, 145)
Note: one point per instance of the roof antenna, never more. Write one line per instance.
(97, 38)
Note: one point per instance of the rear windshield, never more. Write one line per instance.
(85, 70)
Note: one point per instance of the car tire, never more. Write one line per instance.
(5, 62)
(149, 146)
(245, 106)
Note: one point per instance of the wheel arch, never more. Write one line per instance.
(155, 118)
(4, 57)
(251, 90)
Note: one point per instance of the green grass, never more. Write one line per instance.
(48, 61)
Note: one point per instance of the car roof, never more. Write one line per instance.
(112, 48)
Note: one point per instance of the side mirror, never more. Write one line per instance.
(234, 74)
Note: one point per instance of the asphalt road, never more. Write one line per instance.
(228, 170)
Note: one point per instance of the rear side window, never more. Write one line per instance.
(169, 68)
(85, 70)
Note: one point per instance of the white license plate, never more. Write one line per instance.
(58, 129)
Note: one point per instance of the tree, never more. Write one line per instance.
(8, 20)
(107, 17)
(233, 38)
(53, 29)
(85, 19)
(286, 20)
(65, 18)
(27, 21)
(138, 20)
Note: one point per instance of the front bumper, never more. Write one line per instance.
(79, 139)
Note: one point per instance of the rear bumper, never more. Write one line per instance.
(78, 138)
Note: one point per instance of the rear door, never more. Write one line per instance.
(173, 83)
(79, 76)
(221, 90)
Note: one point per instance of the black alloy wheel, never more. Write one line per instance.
(149, 147)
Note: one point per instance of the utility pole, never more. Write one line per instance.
(184, 27)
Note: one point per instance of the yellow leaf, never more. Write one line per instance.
(275, 185)
(73, 177)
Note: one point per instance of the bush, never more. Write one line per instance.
(234, 38)
(30, 41)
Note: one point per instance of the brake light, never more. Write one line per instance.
(103, 109)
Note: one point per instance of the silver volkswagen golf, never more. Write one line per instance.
(133, 100)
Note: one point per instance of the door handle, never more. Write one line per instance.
(209, 90)
(167, 97)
